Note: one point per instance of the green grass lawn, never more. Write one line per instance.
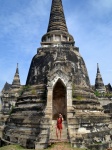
(12, 147)
(58, 146)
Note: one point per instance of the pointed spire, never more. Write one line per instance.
(57, 32)
(57, 17)
(17, 70)
(99, 85)
(16, 80)
(98, 70)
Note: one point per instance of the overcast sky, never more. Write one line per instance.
(23, 22)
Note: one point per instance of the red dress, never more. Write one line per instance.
(59, 123)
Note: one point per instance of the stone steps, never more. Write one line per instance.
(53, 131)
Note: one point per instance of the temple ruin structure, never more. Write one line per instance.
(99, 85)
(58, 82)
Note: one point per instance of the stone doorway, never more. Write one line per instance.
(59, 100)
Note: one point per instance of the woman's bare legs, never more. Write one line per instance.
(60, 133)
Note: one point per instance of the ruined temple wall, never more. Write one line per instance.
(43, 62)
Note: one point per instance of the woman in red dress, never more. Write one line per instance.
(59, 126)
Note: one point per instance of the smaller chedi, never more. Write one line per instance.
(99, 85)
(103, 93)
(10, 93)
(99, 88)
(58, 82)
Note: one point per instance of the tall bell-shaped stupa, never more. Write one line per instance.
(57, 82)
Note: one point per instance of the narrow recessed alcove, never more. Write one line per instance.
(59, 100)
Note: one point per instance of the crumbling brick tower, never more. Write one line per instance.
(58, 82)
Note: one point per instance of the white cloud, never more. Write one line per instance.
(102, 5)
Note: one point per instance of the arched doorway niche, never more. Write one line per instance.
(55, 78)
(59, 103)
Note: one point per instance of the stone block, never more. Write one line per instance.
(39, 146)
(1, 132)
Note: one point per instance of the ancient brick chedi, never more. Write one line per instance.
(58, 82)
(99, 85)
(10, 92)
